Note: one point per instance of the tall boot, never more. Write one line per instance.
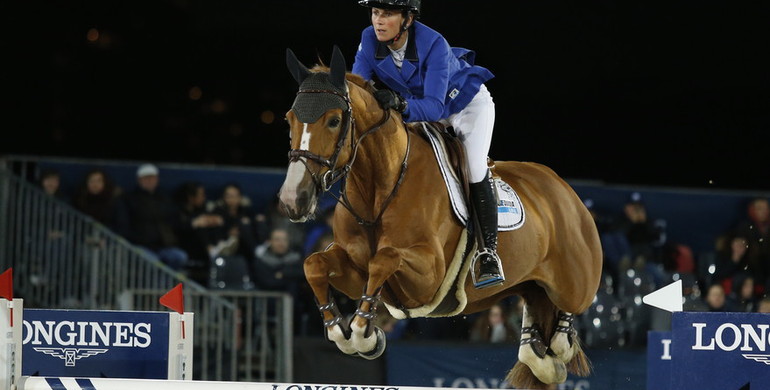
(484, 200)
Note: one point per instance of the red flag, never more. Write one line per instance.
(6, 284)
(174, 299)
(6, 289)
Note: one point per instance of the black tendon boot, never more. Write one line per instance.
(484, 199)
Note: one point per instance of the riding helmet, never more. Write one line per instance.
(412, 6)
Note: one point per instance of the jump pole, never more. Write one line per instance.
(52, 383)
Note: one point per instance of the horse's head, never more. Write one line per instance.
(320, 122)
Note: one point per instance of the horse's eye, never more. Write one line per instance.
(334, 122)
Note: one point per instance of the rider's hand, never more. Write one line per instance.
(390, 99)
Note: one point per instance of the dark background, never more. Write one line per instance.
(670, 93)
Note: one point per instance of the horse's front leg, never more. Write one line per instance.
(368, 339)
(320, 267)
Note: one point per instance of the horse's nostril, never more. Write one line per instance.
(303, 198)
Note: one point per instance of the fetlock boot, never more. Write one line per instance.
(484, 199)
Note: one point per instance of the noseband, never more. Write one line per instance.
(333, 174)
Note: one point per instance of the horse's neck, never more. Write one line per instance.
(380, 157)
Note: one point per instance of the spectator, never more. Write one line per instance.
(96, 196)
(493, 327)
(616, 250)
(53, 220)
(644, 238)
(764, 305)
(732, 259)
(239, 222)
(49, 237)
(276, 218)
(50, 183)
(642, 234)
(603, 222)
(756, 228)
(276, 266)
(149, 219)
(742, 297)
(716, 299)
(198, 230)
(693, 300)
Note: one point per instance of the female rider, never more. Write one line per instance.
(430, 81)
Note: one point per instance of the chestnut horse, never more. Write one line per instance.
(395, 237)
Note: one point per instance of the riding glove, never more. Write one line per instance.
(390, 99)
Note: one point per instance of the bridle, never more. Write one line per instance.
(333, 174)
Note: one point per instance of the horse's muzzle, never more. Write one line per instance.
(300, 206)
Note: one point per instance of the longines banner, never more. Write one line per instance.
(486, 365)
(724, 351)
(107, 344)
(658, 360)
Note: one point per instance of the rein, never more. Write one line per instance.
(333, 175)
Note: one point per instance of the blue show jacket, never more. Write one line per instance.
(437, 80)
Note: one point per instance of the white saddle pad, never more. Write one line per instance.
(510, 211)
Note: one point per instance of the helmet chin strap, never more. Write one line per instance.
(395, 39)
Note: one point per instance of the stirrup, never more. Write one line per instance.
(491, 281)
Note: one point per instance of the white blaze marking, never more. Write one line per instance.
(296, 172)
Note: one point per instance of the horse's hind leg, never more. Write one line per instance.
(566, 345)
(563, 339)
(533, 352)
(319, 268)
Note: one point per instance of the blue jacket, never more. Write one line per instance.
(437, 80)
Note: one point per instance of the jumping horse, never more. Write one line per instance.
(395, 238)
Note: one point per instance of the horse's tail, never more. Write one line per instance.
(579, 364)
(522, 377)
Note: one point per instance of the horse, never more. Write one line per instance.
(396, 240)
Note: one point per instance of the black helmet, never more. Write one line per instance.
(412, 6)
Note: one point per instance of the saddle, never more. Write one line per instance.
(456, 152)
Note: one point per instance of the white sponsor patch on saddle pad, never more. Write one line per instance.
(510, 211)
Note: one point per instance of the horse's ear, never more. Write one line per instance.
(297, 70)
(338, 68)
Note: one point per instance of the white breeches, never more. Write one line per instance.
(473, 126)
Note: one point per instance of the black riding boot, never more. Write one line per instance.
(484, 199)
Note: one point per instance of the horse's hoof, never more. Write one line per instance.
(562, 348)
(379, 347)
(551, 371)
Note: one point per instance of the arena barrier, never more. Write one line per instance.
(709, 350)
(88, 343)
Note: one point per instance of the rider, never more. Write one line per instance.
(430, 81)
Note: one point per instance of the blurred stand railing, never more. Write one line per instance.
(64, 259)
(244, 339)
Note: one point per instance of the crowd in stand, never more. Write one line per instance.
(186, 230)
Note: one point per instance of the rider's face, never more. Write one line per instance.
(387, 23)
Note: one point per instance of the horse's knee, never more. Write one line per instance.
(316, 269)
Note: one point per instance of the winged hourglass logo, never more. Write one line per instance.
(69, 355)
